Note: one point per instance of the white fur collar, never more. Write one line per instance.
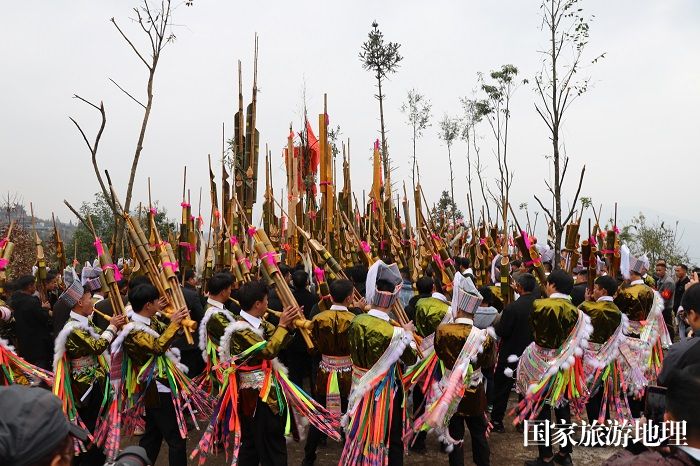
(236, 326)
(203, 335)
(173, 353)
(128, 328)
(60, 343)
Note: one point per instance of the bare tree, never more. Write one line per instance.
(471, 118)
(417, 108)
(557, 87)
(92, 147)
(449, 131)
(495, 109)
(156, 26)
(381, 58)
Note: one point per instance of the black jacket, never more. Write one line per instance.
(514, 329)
(105, 307)
(33, 330)
(680, 355)
(306, 300)
(578, 294)
(678, 295)
(190, 355)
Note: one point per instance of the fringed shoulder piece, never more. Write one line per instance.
(399, 341)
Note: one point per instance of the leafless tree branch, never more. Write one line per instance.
(125, 92)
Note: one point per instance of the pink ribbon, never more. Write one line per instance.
(438, 261)
(115, 269)
(251, 231)
(98, 246)
(435, 237)
(482, 241)
(173, 266)
(184, 204)
(189, 248)
(270, 257)
(526, 239)
(320, 274)
(3, 242)
(365, 247)
(3, 263)
(233, 240)
(616, 230)
(153, 211)
(592, 241)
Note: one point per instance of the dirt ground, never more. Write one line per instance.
(506, 449)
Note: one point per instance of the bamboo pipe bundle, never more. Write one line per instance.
(267, 258)
(138, 239)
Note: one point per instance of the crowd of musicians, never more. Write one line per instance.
(581, 349)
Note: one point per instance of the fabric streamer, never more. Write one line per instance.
(553, 376)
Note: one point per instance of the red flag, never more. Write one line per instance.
(313, 147)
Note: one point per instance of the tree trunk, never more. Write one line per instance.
(139, 147)
(452, 185)
(558, 227)
(413, 167)
(385, 155)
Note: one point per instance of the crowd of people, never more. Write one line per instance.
(565, 345)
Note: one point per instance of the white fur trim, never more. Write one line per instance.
(173, 353)
(224, 349)
(203, 335)
(6, 344)
(127, 329)
(59, 347)
(513, 358)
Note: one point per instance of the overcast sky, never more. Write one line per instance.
(636, 129)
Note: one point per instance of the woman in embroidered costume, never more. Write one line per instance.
(606, 383)
(153, 379)
(211, 329)
(376, 414)
(329, 332)
(643, 348)
(81, 366)
(254, 410)
(550, 370)
(460, 396)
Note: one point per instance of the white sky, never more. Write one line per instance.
(636, 129)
